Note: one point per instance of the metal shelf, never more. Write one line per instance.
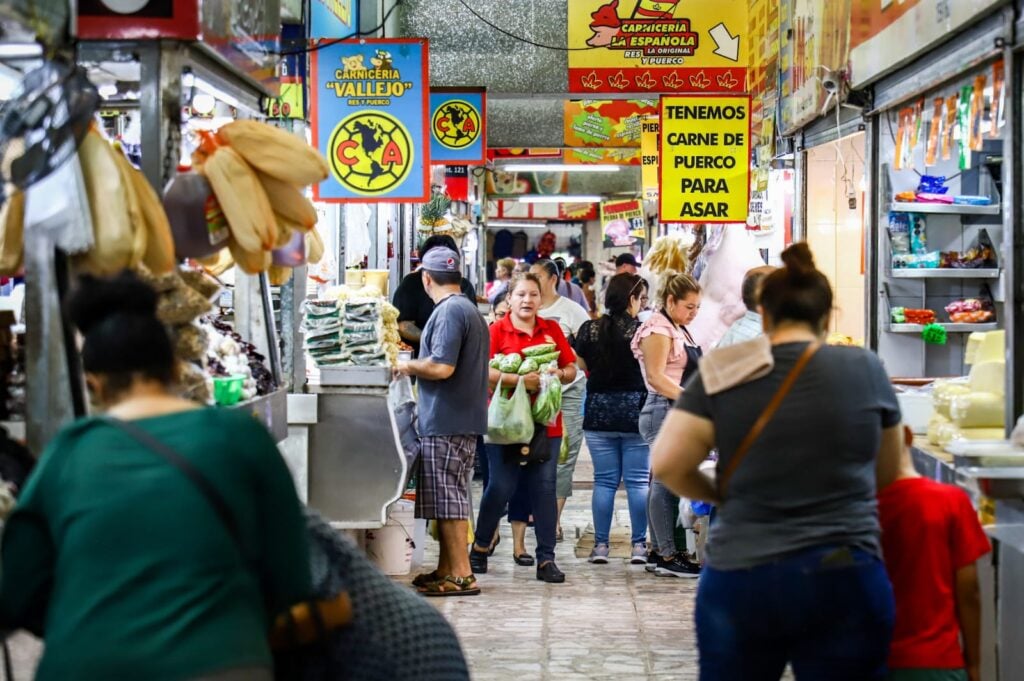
(949, 327)
(944, 273)
(943, 208)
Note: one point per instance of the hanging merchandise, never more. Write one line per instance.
(998, 98)
(932, 150)
(357, 233)
(964, 125)
(917, 118)
(977, 139)
(547, 244)
(949, 131)
(369, 117)
(197, 223)
(257, 174)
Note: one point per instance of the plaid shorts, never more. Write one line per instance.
(445, 472)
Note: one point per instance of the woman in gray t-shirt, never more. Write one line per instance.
(794, 571)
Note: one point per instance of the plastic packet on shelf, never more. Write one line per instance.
(972, 200)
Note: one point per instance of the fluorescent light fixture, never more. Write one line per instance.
(560, 168)
(203, 86)
(555, 198)
(513, 223)
(20, 50)
(203, 103)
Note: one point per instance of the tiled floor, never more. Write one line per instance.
(606, 621)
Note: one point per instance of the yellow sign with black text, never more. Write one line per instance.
(649, 156)
(705, 159)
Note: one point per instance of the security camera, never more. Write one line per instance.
(830, 83)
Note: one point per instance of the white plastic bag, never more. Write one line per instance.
(403, 405)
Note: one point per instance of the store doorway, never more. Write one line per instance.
(835, 228)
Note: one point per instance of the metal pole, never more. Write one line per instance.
(872, 199)
(799, 189)
(273, 348)
(1013, 242)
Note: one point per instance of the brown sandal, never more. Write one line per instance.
(451, 586)
(425, 579)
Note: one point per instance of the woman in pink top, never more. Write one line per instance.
(668, 357)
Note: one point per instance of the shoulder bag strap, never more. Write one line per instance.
(209, 492)
(765, 417)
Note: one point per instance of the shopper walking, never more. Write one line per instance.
(932, 541)
(668, 356)
(568, 288)
(570, 316)
(615, 395)
(502, 275)
(521, 329)
(414, 304)
(114, 556)
(749, 326)
(805, 432)
(452, 373)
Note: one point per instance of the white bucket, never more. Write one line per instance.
(391, 546)
(419, 537)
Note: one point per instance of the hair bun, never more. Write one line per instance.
(97, 299)
(799, 260)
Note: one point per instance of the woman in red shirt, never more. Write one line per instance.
(521, 328)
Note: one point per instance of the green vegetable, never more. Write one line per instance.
(528, 366)
(563, 453)
(496, 361)
(541, 349)
(934, 334)
(549, 401)
(547, 358)
(510, 363)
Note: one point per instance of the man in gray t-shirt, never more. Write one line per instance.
(453, 385)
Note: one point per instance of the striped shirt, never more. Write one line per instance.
(747, 327)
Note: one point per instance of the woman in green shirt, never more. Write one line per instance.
(115, 557)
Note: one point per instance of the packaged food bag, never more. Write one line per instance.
(509, 420)
(548, 404)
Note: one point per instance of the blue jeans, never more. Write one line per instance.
(828, 611)
(539, 479)
(619, 456)
(662, 504)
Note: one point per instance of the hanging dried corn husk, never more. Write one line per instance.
(12, 240)
(249, 262)
(218, 263)
(241, 198)
(314, 247)
(288, 202)
(159, 243)
(279, 276)
(275, 152)
(111, 209)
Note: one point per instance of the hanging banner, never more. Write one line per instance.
(333, 18)
(606, 122)
(705, 158)
(291, 102)
(649, 155)
(502, 182)
(623, 223)
(458, 120)
(369, 106)
(657, 46)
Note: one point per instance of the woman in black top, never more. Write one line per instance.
(615, 396)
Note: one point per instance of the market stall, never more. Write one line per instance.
(942, 267)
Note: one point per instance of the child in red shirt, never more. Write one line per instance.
(931, 540)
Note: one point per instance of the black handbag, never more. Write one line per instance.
(537, 450)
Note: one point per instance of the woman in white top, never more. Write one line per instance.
(570, 315)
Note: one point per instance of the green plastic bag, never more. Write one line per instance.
(509, 419)
(510, 363)
(528, 366)
(539, 349)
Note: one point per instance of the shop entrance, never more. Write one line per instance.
(835, 227)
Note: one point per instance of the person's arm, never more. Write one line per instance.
(887, 465)
(410, 332)
(581, 363)
(566, 370)
(683, 444)
(656, 349)
(427, 369)
(532, 380)
(968, 613)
